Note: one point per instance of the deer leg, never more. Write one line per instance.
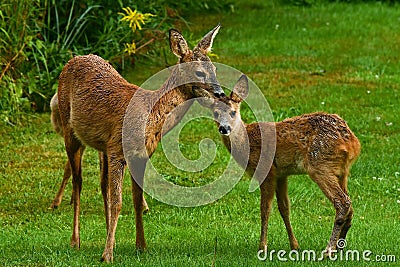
(112, 202)
(145, 206)
(347, 224)
(72, 193)
(284, 209)
(75, 150)
(267, 196)
(139, 202)
(343, 184)
(340, 200)
(104, 184)
(58, 198)
(343, 210)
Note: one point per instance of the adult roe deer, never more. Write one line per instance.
(318, 144)
(56, 123)
(93, 99)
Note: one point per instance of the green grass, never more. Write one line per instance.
(357, 46)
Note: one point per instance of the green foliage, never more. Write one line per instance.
(16, 39)
(38, 37)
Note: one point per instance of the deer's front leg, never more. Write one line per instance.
(140, 205)
(267, 189)
(284, 209)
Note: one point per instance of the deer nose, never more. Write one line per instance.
(219, 94)
(224, 130)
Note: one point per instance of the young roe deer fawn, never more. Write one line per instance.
(93, 100)
(318, 144)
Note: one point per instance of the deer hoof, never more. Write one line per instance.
(146, 210)
(329, 253)
(294, 245)
(140, 247)
(75, 242)
(263, 248)
(107, 257)
(53, 206)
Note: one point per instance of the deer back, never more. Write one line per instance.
(312, 140)
(93, 96)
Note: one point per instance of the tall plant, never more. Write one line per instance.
(37, 38)
(19, 22)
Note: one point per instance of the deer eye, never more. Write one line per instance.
(232, 113)
(200, 74)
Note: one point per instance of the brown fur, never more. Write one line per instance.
(318, 144)
(56, 123)
(93, 99)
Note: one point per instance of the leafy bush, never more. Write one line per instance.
(37, 38)
(18, 41)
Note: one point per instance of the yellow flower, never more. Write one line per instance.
(213, 55)
(135, 19)
(130, 48)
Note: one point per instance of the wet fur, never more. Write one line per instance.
(318, 144)
(93, 99)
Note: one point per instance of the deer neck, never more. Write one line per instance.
(238, 144)
(169, 104)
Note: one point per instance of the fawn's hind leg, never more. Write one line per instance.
(347, 224)
(329, 184)
(284, 209)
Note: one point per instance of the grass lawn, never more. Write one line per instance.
(339, 58)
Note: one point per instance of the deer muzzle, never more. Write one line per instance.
(225, 130)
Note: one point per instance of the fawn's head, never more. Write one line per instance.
(227, 109)
(197, 67)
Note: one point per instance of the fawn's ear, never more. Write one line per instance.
(241, 89)
(178, 44)
(206, 43)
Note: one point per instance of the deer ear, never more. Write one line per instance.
(178, 44)
(206, 43)
(241, 89)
